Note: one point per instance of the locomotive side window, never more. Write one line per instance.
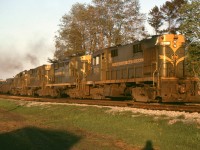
(56, 66)
(114, 53)
(97, 60)
(137, 48)
(102, 56)
(94, 61)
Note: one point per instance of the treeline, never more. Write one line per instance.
(105, 23)
(101, 24)
(190, 27)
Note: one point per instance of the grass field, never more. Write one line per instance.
(41, 126)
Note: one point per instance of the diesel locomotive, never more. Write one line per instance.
(150, 70)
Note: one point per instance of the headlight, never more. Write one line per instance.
(165, 43)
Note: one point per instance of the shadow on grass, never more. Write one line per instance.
(31, 138)
(148, 146)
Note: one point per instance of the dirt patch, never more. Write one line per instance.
(101, 140)
(10, 121)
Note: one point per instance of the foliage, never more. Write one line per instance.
(71, 33)
(101, 24)
(170, 13)
(167, 15)
(190, 20)
(155, 19)
(193, 59)
(190, 27)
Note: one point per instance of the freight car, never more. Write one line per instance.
(5, 85)
(152, 69)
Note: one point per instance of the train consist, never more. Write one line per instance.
(149, 70)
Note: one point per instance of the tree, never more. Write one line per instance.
(103, 24)
(190, 27)
(72, 36)
(155, 19)
(170, 13)
(120, 21)
(190, 20)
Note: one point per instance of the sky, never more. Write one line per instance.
(28, 27)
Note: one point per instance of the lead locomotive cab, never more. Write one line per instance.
(175, 85)
(169, 82)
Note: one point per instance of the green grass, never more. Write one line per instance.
(94, 128)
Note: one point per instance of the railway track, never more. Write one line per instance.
(181, 107)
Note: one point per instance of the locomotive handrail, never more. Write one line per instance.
(156, 70)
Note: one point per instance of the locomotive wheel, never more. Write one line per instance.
(158, 99)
